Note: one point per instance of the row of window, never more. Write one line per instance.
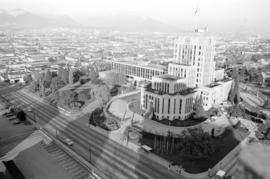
(156, 102)
(178, 71)
(135, 71)
(164, 87)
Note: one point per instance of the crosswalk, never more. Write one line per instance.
(64, 160)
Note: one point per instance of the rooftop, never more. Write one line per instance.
(169, 77)
(184, 92)
(181, 64)
(212, 85)
(142, 64)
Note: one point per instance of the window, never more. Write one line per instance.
(180, 105)
(162, 105)
(174, 106)
(169, 103)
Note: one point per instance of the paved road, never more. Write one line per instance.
(10, 88)
(107, 155)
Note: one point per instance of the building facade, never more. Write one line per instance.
(169, 97)
(191, 75)
(137, 71)
(198, 51)
(171, 91)
(184, 71)
(215, 93)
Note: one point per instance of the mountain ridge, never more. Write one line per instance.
(19, 18)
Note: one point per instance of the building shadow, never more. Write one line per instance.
(114, 159)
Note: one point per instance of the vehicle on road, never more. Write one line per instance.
(16, 122)
(146, 148)
(68, 141)
(11, 118)
(65, 140)
(29, 109)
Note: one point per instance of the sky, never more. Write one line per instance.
(242, 14)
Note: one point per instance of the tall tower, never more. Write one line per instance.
(197, 50)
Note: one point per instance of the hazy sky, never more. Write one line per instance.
(239, 13)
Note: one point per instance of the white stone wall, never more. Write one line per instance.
(219, 74)
(183, 71)
(169, 107)
(215, 95)
(197, 51)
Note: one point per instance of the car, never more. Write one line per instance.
(29, 109)
(68, 141)
(16, 122)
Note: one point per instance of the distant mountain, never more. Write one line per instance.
(18, 18)
(122, 22)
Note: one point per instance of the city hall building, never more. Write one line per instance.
(172, 92)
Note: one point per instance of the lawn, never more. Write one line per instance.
(224, 144)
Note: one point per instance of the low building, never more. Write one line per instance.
(137, 71)
(215, 93)
(219, 74)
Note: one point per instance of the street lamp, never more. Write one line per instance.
(90, 151)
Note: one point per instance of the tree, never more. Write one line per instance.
(101, 92)
(27, 78)
(196, 143)
(42, 89)
(84, 70)
(198, 107)
(92, 73)
(60, 73)
(48, 76)
(66, 97)
(263, 132)
(71, 77)
(234, 95)
(21, 115)
(54, 84)
(52, 59)
(115, 78)
(65, 76)
(76, 75)
(267, 104)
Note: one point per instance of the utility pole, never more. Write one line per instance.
(124, 116)
(132, 119)
(90, 151)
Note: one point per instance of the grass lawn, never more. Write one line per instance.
(224, 144)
